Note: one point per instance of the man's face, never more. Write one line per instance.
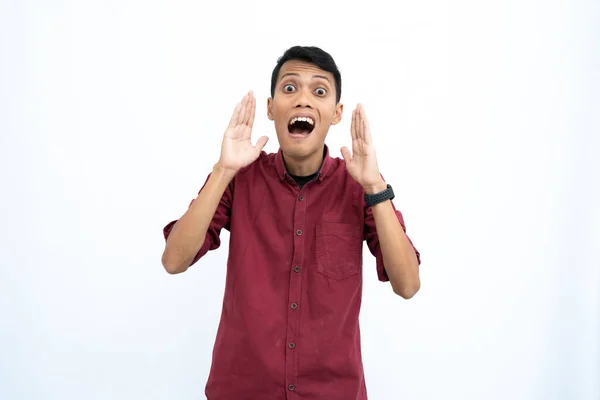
(303, 108)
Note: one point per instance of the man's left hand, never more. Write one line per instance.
(362, 164)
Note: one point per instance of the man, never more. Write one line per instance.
(297, 221)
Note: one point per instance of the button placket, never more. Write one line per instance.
(295, 288)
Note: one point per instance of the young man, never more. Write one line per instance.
(297, 221)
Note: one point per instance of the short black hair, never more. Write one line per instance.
(312, 55)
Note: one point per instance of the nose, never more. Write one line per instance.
(303, 100)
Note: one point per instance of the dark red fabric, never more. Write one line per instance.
(289, 325)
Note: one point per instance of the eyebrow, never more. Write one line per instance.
(314, 76)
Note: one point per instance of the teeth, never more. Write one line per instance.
(303, 119)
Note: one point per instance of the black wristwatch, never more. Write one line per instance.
(376, 198)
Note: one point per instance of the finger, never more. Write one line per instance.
(252, 112)
(248, 109)
(366, 126)
(243, 110)
(353, 125)
(346, 154)
(358, 123)
(235, 115)
(261, 142)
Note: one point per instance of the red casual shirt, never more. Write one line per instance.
(289, 324)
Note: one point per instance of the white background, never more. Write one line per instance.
(485, 116)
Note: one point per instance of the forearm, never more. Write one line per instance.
(188, 233)
(399, 258)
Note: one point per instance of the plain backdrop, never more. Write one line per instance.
(485, 118)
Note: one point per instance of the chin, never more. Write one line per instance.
(296, 148)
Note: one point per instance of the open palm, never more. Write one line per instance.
(362, 162)
(237, 150)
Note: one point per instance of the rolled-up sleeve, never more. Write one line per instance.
(373, 240)
(220, 220)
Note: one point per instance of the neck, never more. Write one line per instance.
(303, 166)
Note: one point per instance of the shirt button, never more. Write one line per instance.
(290, 387)
(301, 197)
(294, 306)
(296, 268)
(292, 345)
(299, 232)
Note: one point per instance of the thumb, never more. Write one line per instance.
(346, 154)
(261, 142)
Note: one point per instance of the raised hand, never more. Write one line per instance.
(237, 150)
(362, 163)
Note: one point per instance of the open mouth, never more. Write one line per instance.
(301, 126)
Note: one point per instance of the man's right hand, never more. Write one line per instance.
(237, 150)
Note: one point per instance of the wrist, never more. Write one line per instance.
(223, 173)
(375, 188)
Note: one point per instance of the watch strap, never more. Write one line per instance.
(376, 198)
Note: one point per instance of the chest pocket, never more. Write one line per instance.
(338, 249)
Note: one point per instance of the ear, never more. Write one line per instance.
(270, 109)
(337, 117)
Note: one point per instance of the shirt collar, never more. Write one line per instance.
(323, 169)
